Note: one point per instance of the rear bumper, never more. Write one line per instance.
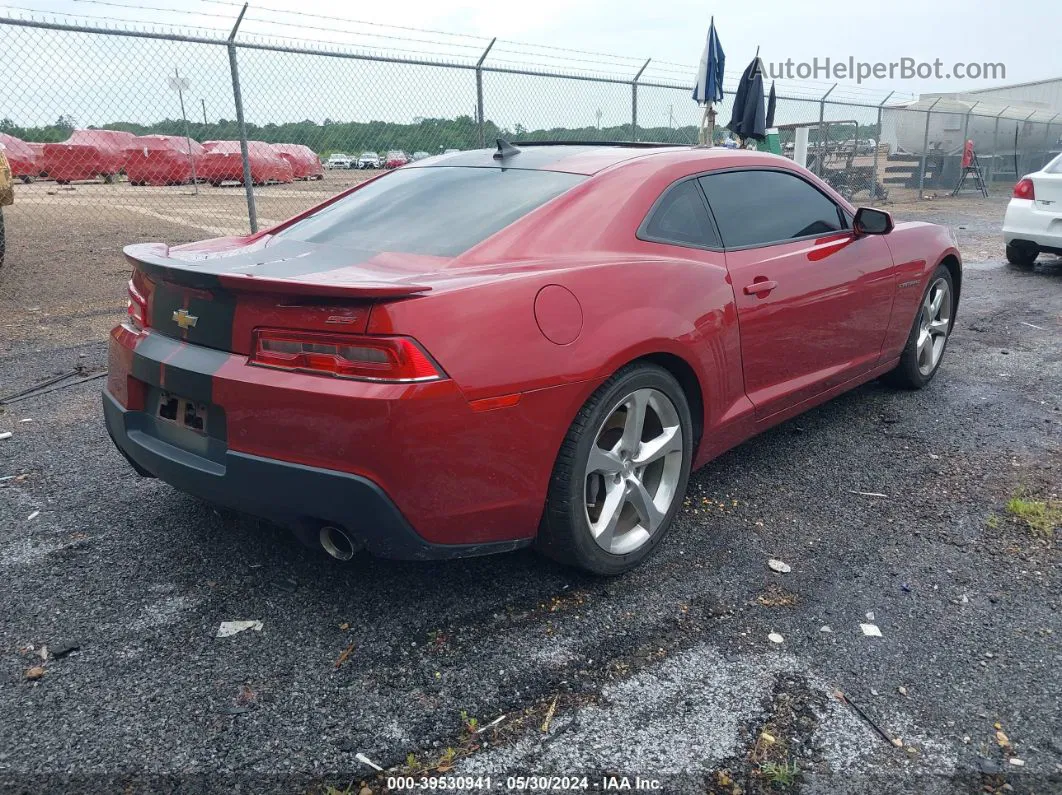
(1027, 220)
(412, 469)
(280, 490)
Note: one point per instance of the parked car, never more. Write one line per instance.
(20, 157)
(223, 162)
(88, 154)
(304, 162)
(1033, 223)
(369, 160)
(7, 197)
(420, 156)
(163, 160)
(451, 151)
(338, 160)
(557, 425)
(395, 158)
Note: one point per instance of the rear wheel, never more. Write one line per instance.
(1022, 256)
(621, 473)
(924, 351)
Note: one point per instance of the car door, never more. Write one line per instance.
(813, 298)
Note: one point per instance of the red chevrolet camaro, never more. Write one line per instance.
(532, 345)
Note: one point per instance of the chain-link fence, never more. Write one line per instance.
(159, 135)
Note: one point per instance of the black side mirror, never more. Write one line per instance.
(869, 221)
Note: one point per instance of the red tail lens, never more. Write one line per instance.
(136, 308)
(1024, 189)
(398, 359)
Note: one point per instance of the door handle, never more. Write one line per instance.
(760, 286)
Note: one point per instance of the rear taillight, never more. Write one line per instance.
(136, 308)
(1024, 189)
(396, 359)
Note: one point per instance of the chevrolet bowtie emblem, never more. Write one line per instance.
(184, 320)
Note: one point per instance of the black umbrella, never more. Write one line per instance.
(772, 101)
(748, 120)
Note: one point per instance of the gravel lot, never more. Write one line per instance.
(667, 673)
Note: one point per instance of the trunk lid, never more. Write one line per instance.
(1048, 188)
(217, 296)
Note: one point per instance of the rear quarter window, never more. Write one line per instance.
(439, 211)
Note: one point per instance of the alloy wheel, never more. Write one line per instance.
(934, 324)
(633, 471)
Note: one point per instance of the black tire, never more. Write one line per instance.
(907, 374)
(1022, 256)
(565, 533)
(3, 239)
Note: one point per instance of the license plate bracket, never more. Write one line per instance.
(183, 412)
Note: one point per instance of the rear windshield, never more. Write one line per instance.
(440, 211)
(1055, 166)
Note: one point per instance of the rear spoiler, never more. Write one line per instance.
(156, 263)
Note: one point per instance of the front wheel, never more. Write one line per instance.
(925, 346)
(621, 473)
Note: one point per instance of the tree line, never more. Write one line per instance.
(422, 135)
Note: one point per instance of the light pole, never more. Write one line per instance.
(180, 85)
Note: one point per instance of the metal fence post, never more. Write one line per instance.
(821, 147)
(877, 148)
(966, 123)
(925, 147)
(634, 101)
(995, 145)
(252, 212)
(480, 120)
(1024, 158)
(1047, 136)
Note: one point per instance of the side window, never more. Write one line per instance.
(755, 208)
(681, 218)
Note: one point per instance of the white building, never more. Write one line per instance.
(1042, 93)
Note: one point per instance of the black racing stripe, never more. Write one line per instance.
(204, 280)
(213, 311)
(185, 370)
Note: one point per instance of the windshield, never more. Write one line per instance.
(440, 211)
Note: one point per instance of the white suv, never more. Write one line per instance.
(338, 160)
(1033, 223)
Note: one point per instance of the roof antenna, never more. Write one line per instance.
(505, 149)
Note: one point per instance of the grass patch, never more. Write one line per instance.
(1042, 517)
(780, 774)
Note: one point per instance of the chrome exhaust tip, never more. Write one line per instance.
(337, 542)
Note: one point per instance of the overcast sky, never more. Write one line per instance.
(539, 34)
